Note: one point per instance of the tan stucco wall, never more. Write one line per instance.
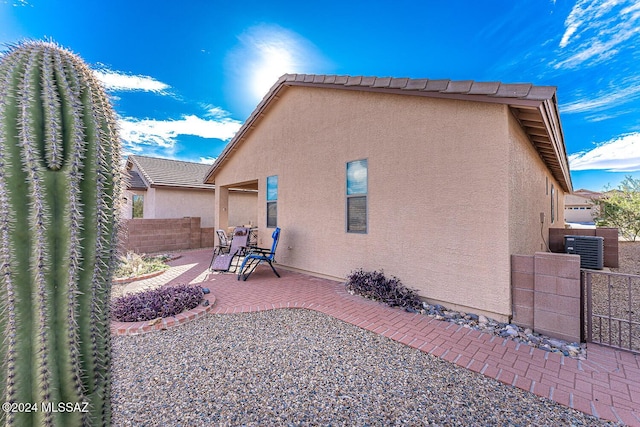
(530, 194)
(195, 203)
(243, 208)
(171, 203)
(163, 203)
(438, 200)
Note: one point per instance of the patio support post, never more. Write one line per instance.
(221, 208)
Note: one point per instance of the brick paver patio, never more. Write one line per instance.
(606, 385)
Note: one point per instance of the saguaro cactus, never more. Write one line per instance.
(59, 192)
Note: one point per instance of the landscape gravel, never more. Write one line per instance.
(304, 368)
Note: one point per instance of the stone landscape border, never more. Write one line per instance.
(127, 280)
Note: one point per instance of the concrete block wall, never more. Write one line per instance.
(610, 235)
(522, 287)
(546, 294)
(160, 235)
(207, 237)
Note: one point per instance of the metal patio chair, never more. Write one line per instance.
(256, 256)
(237, 248)
(224, 244)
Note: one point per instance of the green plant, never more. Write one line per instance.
(134, 265)
(59, 192)
(620, 208)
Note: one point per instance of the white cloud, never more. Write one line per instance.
(596, 30)
(208, 160)
(266, 52)
(163, 133)
(118, 81)
(622, 92)
(216, 112)
(621, 154)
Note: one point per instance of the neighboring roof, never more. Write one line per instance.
(587, 193)
(135, 181)
(158, 172)
(535, 107)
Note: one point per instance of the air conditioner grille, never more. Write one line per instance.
(590, 249)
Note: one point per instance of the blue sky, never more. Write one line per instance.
(183, 76)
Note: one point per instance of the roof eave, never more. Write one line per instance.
(518, 96)
(184, 187)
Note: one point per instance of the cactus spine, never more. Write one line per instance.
(59, 194)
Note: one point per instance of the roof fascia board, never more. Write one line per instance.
(429, 94)
(549, 113)
(181, 187)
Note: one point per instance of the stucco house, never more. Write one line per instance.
(579, 207)
(436, 182)
(162, 188)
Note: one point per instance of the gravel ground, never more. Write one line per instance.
(628, 257)
(300, 367)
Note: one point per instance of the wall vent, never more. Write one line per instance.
(590, 249)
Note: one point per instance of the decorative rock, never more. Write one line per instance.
(556, 343)
(504, 330)
(247, 369)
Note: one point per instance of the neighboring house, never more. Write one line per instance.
(436, 182)
(162, 188)
(579, 207)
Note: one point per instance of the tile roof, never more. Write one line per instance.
(535, 107)
(157, 172)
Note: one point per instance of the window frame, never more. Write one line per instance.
(134, 198)
(350, 196)
(271, 201)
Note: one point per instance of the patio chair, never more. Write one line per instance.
(223, 244)
(256, 256)
(237, 248)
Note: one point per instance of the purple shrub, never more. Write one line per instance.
(162, 302)
(374, 285)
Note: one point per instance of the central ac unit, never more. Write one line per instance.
(590, 249)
